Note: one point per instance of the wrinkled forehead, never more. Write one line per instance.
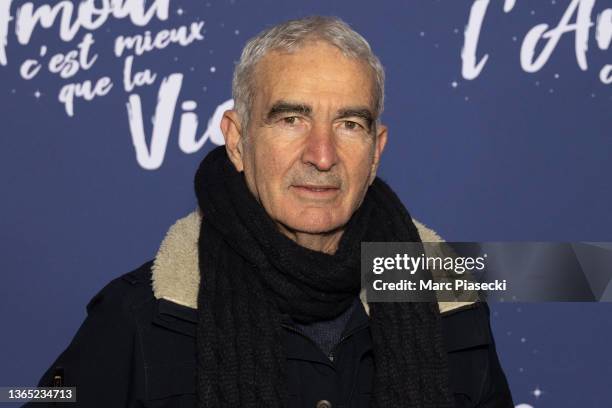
(317, 74)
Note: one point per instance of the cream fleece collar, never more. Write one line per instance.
(176, 275)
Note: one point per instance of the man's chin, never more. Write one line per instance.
(315, 225)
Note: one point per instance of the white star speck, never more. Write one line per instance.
(37, 94)
(180, 11)
(537, 392)
(213, 69)
(236, 32)
(523, 339)
(422, 33)
(456, 31)
(556, 76)
(454, 84)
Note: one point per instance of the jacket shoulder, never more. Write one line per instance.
(466, 327)
(101, 360)
(124, 292)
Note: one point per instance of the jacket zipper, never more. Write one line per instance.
(332, 355)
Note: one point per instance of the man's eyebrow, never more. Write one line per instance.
(281, 107)
(359, 112)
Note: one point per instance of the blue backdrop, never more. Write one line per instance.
(499, 130)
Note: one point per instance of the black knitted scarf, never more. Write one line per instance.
(251, 275)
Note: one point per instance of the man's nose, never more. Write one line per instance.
(320, 150)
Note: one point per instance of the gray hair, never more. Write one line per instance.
(290, 36)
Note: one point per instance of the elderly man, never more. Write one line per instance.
(253, 299)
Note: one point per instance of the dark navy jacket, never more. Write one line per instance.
(135, 350)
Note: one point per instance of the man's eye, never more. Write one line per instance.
(290, 120)
(350, 125)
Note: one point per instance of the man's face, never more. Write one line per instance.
(310, 151)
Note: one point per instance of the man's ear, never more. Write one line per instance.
(381, 141)
(232, 133)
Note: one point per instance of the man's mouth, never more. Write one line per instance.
(314, 190)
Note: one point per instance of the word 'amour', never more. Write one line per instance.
(72, 16)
